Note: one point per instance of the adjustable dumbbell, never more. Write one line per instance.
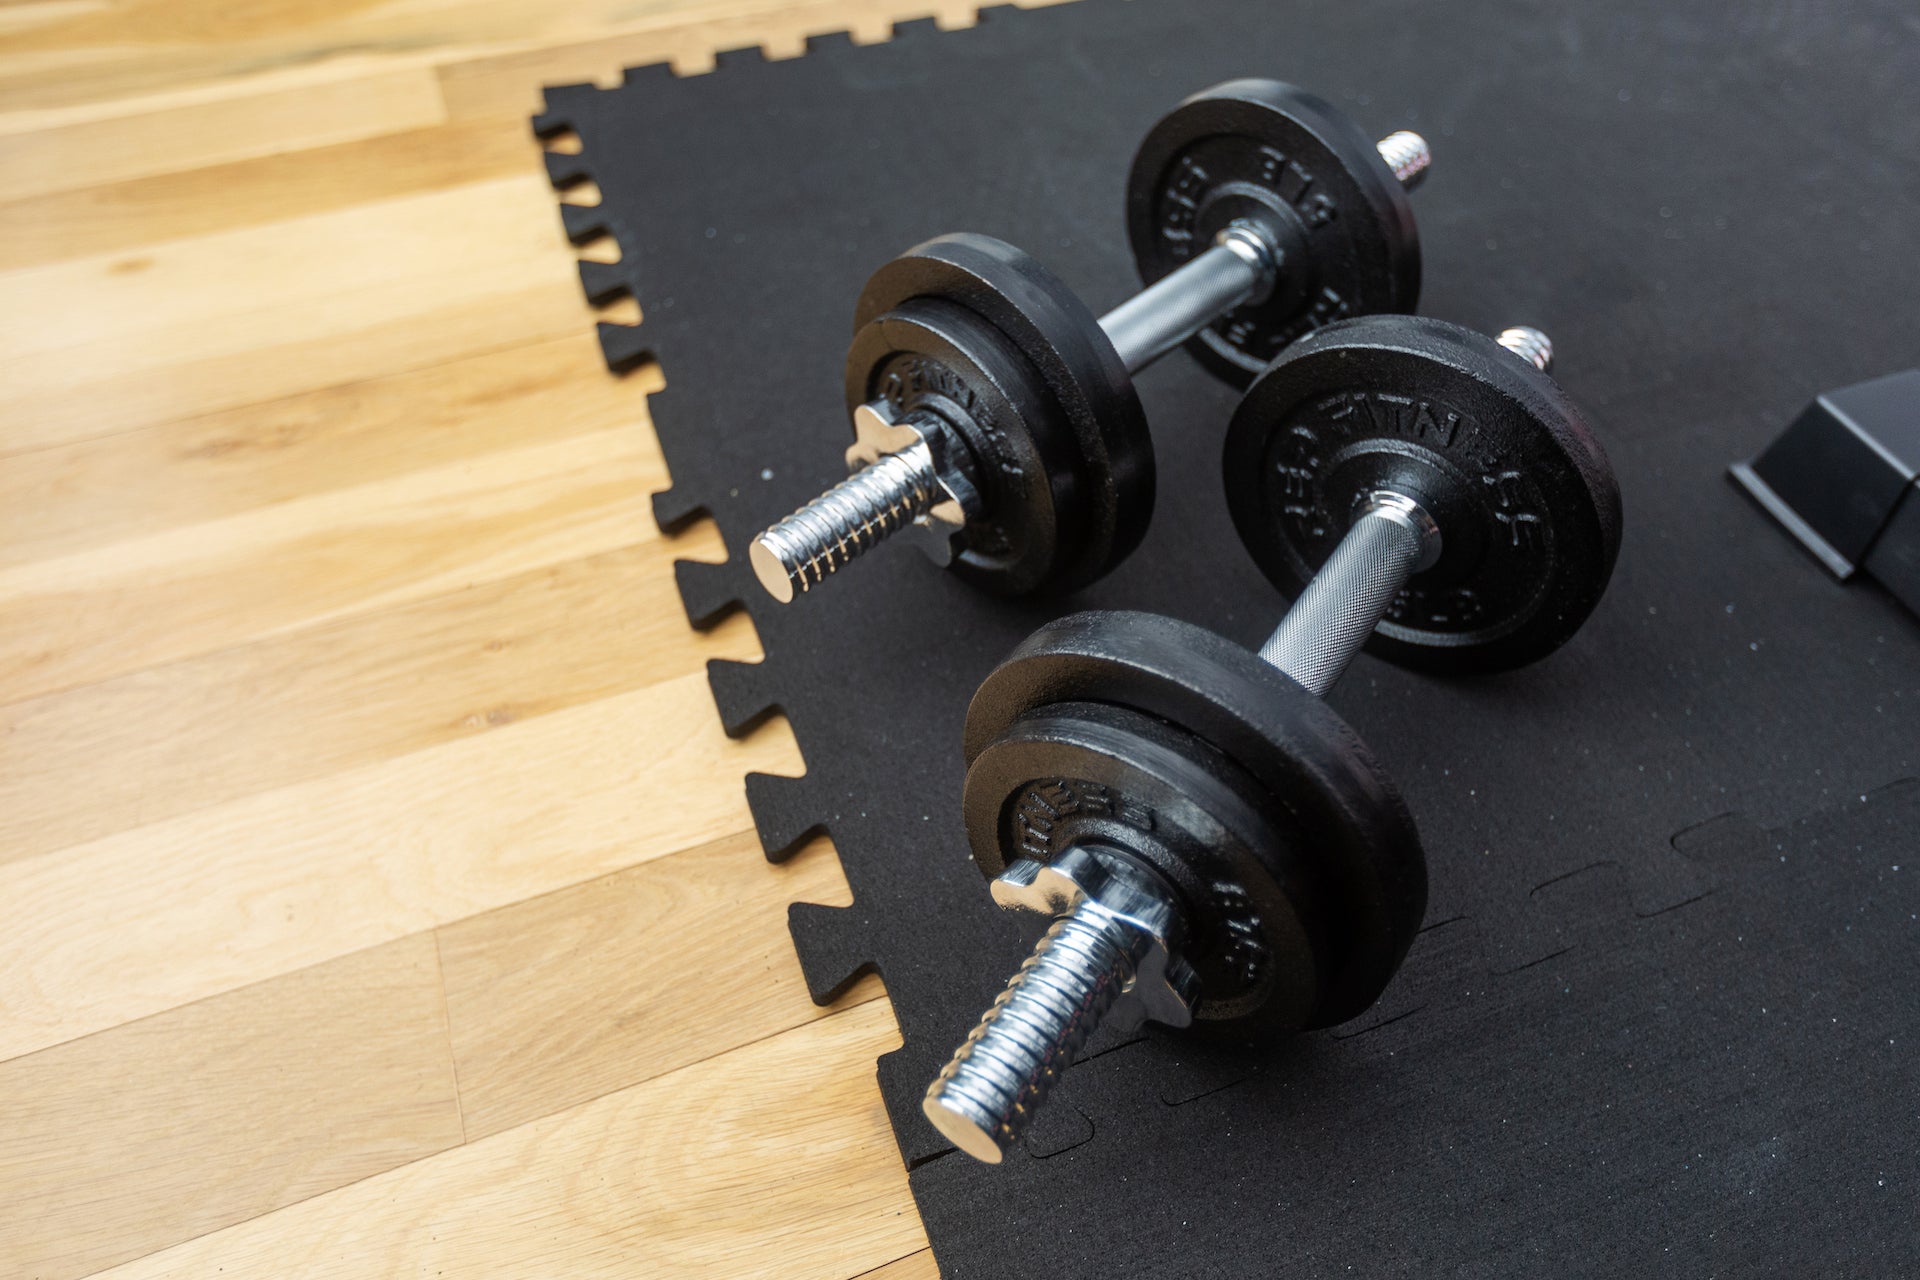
(1211, 840)
(994, 412)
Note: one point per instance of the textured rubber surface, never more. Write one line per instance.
(1606, 1053)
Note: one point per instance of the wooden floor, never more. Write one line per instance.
(377, 894)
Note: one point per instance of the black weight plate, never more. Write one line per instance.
(1082, 773)
(1348, 812)
(932, 356)
(1528, 508)
(1292, 162)
(1105, 491)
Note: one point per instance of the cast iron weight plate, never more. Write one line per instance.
(1070, 465)
(1338, 881)
(1527, 503)
(1303, 170)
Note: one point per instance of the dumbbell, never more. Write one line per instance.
(1211, 840)
(992, 411)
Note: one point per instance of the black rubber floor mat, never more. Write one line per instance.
(1613, 1047)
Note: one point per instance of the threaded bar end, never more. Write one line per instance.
(819, 539)
(1408, 155)
(987, 1096)
(1531, 345)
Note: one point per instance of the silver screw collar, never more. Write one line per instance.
(903, 473)
(822, 537)
(1115, 943)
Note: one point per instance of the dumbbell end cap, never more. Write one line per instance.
(770, 571)
(1408, 155)
(959, 1127)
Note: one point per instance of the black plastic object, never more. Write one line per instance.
(1844, 480)
(1065, 467)
(1304, 910)
(1612, 1049)
(1300, 168)
(1526, 501)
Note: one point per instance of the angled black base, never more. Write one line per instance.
(1610, 1050)
(1844, 480)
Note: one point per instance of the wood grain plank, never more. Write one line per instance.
(149, 919)
(915, 1266)
(79, 103)
(94, 615)
(169, 139)
(89, 78)
(129, 50)
(209, 290)
(102, 344)
(162, 1130)
(120, 217)
(773, 1159)
(85, 763)
(579, 993)
(105, 58)
(509, 81)
(25, 15)
(38, 412)
(89, 494)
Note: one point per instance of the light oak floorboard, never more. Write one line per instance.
(101, 344)
(121, 217)
(69, 498)
(212, 289)
(915, 1266)
(161, 1130)
(510, 81)
(87, 762)
(154, 917)
(191, 136)
(94, 615)
(720, 1169)
(588, 990)
(90, 61)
